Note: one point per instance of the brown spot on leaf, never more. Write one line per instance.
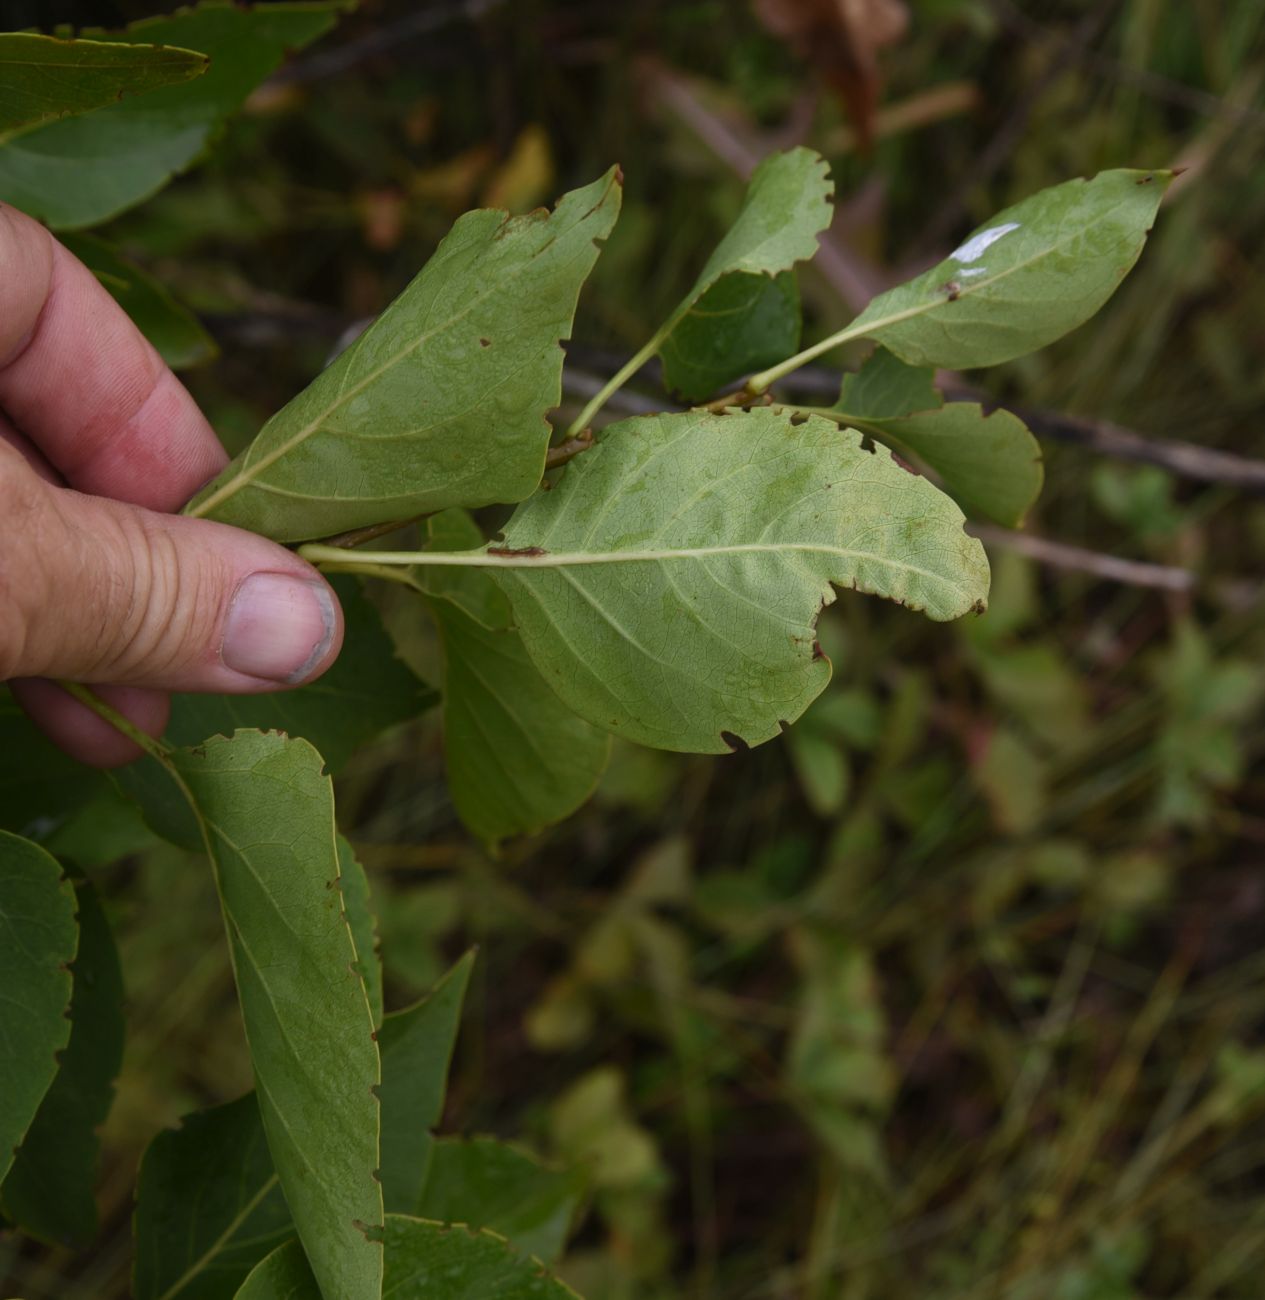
(485, 343)
(517, 550)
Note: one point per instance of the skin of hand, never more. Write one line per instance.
(99, 582)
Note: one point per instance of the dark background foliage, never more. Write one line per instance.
(958, 990)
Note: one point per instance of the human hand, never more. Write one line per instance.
(97, 439)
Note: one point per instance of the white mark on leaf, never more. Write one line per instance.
(978, 245)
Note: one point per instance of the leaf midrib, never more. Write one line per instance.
(569, 559)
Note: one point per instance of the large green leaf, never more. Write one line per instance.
(172, 329)
(990, 464)
(416, 1046)
(44, 77)
(80, 172)
(424, 1261)
(1034, 272)
(38, 938)
(48, 1192)
(484, 1183)
(518, 758)
(442, 401)
(209, 1205)
(366, 691)
(742, 312)
(669, 585)
(266, 809)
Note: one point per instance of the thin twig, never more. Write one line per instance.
(370, 533)
(569, 449)
(1111, 568)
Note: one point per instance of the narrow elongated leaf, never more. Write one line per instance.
(742, 312)
(484, 1183)
(173, 330)
(674, 602)
(266, 810)
(991, 465)
(442, 401)
(367, 691)
(425, 1261)
(209, 1205)
(364, 925)
(416, 1047)
(38, 938)
(518, 758)
(1034, 272)
(80, 172)
(48, 1192)
(43, 77)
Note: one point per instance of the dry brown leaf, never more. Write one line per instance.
(841, 39)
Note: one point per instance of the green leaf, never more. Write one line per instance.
(822, 768)
(743, 312)
(442, 401)
(484, 1183)
(363, 923)
(518, 758)
(367, 691)
(990, 465)
(209, 1205)
(266, 809)
(100, 832)
(1034, 272)
(416, 1046)
(885, 387)
(173, 330)
(39, 784)
(425, 1261)
(38, 939)
(48, 1192)
(85, 170)
(741, 324)
(44, 77)
(675, 604)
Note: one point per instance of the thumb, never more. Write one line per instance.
(96, 590)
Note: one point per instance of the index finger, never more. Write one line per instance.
(83, 384)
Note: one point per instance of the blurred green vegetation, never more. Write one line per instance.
(959, 991)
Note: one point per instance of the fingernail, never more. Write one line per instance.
(278, 627)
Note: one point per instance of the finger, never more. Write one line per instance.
(30, 453)
(94, 590)
(80, 380)
(85, 735)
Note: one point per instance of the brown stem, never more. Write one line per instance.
(569, 449)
